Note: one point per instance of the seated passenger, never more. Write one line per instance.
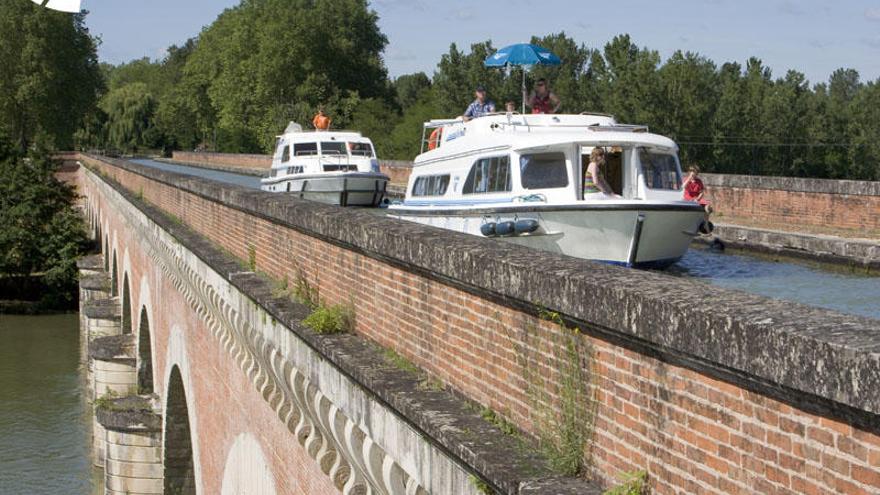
(594, 180)
(321, 121)
(480, 106)
(510, 107)
(694, 190)
(542, 100)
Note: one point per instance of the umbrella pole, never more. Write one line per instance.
(524, 91)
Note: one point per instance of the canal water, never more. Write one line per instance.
(44, 427)
(779, 278)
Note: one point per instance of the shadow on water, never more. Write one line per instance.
(836, 288)
(44, 426)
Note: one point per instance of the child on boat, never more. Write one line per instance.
(695, 190)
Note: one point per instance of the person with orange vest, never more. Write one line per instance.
(321, 121)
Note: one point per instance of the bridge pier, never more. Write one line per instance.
(133, 440)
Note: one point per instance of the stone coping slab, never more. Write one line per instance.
(832, 249)
(90, 262)
(113, 348)
(135, 413)
(794, 184)
(818, 359)
(102, 309)
(98, 281)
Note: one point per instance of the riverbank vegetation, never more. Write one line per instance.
(263, 63)
(41, 235)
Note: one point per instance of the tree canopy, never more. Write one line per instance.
(42, 234)
(266, 62)
(50, 76)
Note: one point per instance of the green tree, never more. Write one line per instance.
(409, 88)
(263, 63)
(628, 82)
(50, 76)
(42, 234)
(688, 94)
(130, 110)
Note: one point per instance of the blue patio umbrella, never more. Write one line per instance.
(525, 55)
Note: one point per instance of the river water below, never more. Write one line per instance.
(44, 426)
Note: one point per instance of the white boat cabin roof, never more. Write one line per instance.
(294, 133)
(532, 132)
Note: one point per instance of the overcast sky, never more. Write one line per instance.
(814, 37)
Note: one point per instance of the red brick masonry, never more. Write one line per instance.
(690, 432)
(840, 204)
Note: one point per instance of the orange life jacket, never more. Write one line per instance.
(434, 139)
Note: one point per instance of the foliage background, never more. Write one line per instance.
(263, 63)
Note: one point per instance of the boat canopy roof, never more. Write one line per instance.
(294, 133)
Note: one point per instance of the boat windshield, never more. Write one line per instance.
(660, 170)
(305, 149)
(543, 170)
(333, 148)
(360, 149)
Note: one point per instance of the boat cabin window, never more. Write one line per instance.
(298, 169)
(543, 170)
(660, 170)
(360, 149)
(430, 185)
(340, 168)
(305, 149)
(333, 148)
(488, 175)
(285, 154)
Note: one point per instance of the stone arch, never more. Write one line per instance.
(126, 305)
(114, 280)
(98, 243)
(247, 470)
(145, 355)
(178, 452)
(106, 252)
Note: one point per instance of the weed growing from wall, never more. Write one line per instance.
(252, 258)
(564, 408)
(393, 358)
(304, 292)
(631, 483)
(339, 318)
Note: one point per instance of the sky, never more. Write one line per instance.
(813, 37)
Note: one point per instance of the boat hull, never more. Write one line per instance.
(343, 189)
(652, 237)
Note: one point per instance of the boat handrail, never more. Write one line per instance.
(598, 114)
(620, 128)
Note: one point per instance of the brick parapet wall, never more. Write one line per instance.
(706, 396)
(840, 204)
(234, 160)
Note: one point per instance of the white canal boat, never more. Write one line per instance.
(518, 178)
(336, 167)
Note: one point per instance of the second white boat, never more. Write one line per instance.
(336, 167)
